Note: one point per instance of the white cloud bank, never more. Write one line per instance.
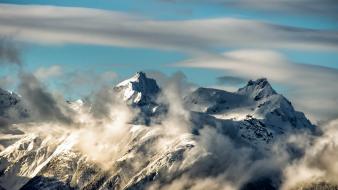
(320, 161)
(60, 25)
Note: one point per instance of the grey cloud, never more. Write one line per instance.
(177, 79)
(83, 82)
(60, 25)
(102, 102)
(43, 105)
(7, 81)
(45, 73)
(9, 52)
(231, 80)
(325, 8)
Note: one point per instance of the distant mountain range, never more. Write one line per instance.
(255, 117)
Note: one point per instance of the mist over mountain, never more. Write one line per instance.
(139, 135)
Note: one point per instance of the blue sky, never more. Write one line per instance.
(175, 35)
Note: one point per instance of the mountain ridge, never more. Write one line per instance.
(255, 117)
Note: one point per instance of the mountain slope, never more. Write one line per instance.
(255, 112)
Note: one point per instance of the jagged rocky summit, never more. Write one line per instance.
(138, 90)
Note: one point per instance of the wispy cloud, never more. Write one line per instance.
(62, 25)
(48, 72)
(44, 105)
(312, 88)
(9, 52)
(231, 80)
(324, 8)
(6, 81)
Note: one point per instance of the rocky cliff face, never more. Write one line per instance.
(12, 108)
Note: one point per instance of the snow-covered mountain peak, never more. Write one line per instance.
(139, 89)
(139, 76)
(257, 89)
